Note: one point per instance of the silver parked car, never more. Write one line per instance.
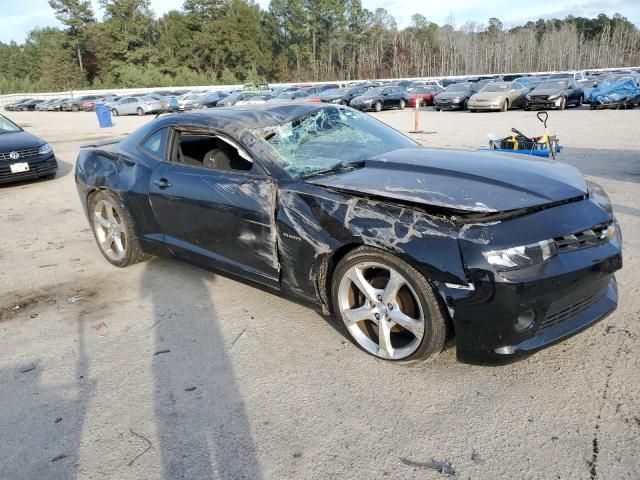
(136, 106)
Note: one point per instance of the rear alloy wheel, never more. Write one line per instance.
(113, 230)
(402, 104)
(505, 105)
(388, 308)
(377, 107)
(140, 112)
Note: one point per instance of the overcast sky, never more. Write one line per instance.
(19, 17)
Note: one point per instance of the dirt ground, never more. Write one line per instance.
(162, 370)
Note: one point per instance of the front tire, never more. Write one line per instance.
(113, 229)
(140, 112)
(75, 108)
(563, 103)
(505, 106)
(115, 112)
(402, 104)
(377, 107)
(388, 307)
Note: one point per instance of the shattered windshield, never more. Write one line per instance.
(329, 136)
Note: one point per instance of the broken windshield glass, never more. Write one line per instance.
(329, 136)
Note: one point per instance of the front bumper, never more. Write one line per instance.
(449, 104)
(39, 166)
(489, 106)
(542, 103)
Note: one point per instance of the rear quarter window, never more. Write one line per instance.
(155, 144)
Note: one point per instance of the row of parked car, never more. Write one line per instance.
(618, 89)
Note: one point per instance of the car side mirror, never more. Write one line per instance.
(571, 87)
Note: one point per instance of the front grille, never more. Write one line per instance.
(539, 98)
(587, 238)
(571, 311)
(28, 153)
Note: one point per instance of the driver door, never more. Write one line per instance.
(215, 206)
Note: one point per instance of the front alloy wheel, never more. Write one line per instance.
(388, 308)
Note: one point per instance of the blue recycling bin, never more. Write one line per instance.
(104, 115)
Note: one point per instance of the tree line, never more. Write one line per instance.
(210, 42)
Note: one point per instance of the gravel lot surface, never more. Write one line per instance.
(162, 370)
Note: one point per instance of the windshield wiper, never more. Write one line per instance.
(338, 167)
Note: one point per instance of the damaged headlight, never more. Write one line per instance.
(521, 257)
(44, 149)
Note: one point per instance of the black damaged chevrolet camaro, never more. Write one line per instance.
(407, 246)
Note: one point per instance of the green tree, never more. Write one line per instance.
(76, 15)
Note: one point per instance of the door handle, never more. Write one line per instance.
(162, 183)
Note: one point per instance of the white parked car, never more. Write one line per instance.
(136, 106)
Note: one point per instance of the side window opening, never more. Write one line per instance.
(210, 151)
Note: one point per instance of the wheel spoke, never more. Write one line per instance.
(385, 349)
(356, 276)
(396, 281)
(117, 241)
(106, 243)
(354, 315)
(414, 326)
(103, 222)
(110, 215)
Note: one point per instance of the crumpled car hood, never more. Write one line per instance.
(459, 180)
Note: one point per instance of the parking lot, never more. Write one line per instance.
(163, 370)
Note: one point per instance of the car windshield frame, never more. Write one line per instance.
(374, 92)
(492, 87)
(14, 128)
(459, 87)
(549, 85)
(339, 135)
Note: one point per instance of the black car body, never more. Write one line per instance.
(513, 254)
(28, 106)
(76, 104)
(454, 97)
(557, 94)
(10, 107)
(210, 100)
(342, 96)
(381, 98)
(233, 98)
(23, 156)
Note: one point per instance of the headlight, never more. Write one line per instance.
(336, 100)
(456, 99)
(552, 97)
(44, 149)
(521, 257)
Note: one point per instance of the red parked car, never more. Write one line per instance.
(425, 92)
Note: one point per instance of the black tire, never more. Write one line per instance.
(465, 105)
(579, 104)
(115, 112)
(563, 103)
(402, 104)
(75, 108)
(435, 320)
(140, 112)
(505, 105)
(437, 109)
(377, 106)
(133, 252)
(472, 110)
(343, 102)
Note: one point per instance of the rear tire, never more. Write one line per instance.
(113, 229)
(402, 104)
(388, 297)
(505, 105)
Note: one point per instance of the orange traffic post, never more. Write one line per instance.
(416, 124)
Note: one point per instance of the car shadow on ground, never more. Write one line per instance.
(51, 415)
(201, 421)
